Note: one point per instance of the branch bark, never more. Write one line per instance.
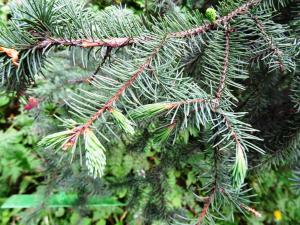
(225, 70)
(205, 209)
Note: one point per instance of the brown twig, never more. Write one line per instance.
(251, 210)
(233, 133)
(225, 69)
(112, 42)
(176, 104)
(205, 209)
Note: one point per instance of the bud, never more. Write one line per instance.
(211, 14)
(162, 134)
(122, 121)
(150, 110)
(240, 167)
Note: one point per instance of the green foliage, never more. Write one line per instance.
(58, 200)
(283, 198)
(4, 11)
(191, 79)
(16, 157)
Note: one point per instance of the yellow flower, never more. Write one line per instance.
(277, 215)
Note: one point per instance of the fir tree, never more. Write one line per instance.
(221, 88)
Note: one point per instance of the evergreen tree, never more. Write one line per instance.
(216, 93)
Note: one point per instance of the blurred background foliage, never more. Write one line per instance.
(21, 165)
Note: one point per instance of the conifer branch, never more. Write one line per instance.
(81, 129)
(240, 166)
(221, 21)
(112, 42)
(117, 42)
(214, 188)
(194, 106)
(225, 69)
(231, 130)
(272, 47)
(286, 155)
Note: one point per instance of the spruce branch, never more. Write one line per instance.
(117, 42)
(286, 155)
(34, 39)
(108, 105)
(241, 165)
(146, 79)
(126, 85)
(221, 85)
(221, 21)
(83, 43)
(239, 134)
(272, 47)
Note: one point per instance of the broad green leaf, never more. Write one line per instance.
(4, 100)
(56, 200)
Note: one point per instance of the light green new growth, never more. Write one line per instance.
(147, 111)
(95, 154)
(240, 167)
(122, 121)
(211, 14)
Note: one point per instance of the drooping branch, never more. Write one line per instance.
(214, 188)
(81, 129)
